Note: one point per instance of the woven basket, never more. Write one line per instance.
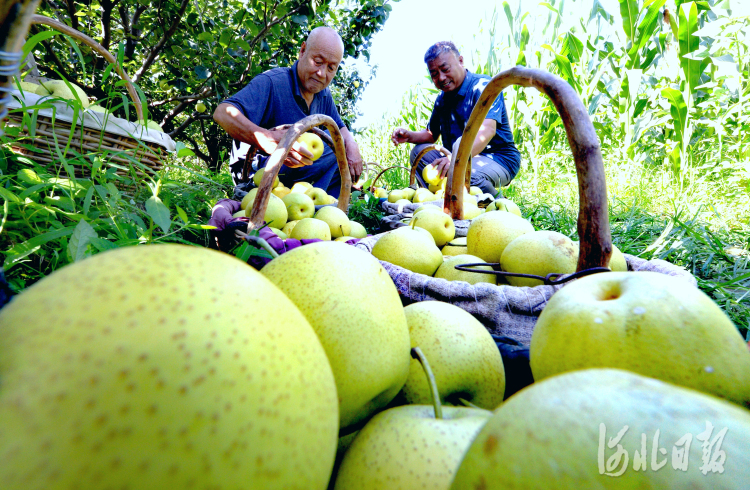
(49, 139)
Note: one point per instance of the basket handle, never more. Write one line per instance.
(593, 220)
(273, 165)
(375, 180)
(65, 29)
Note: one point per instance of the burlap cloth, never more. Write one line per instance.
(507, 311)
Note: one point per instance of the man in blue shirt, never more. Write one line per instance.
(284, 96)
(495, 158)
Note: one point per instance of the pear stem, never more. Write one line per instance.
(467, 403)
(259, 242)
(417, 354)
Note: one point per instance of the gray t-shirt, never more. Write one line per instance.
(273, 98)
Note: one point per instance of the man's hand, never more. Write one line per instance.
(443, 164)
(355, 161)
(298, 156)
(400, 135)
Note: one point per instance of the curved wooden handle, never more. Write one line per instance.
(375, 180)
(65, 29)
(276, 160)
(593, 220)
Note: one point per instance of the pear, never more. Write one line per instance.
(409, 193)
(364, 335)
(606, 428)
(440, 226)
(408, 448)
(301, 187)
(503, 204)
(448, 271)
(279, 233)
(58, 88)
(141, 368)
(490, 233)
(336, 219)
(464, 358)
(249, 199)
(259, 176)
(539, 253)
(475, 191)
(276, 214)
(288, 227)
(309, 228)
(410, 249)
(357, 230)
(646, 322)
(429, 208)
(319, 196)
(281, 191)
(299, 206)
(457, 246)
(423, 195)
(396, 195)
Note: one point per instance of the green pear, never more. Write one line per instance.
(396, 195)
(428, 208)
(440, 226)
(503, 204)
(249, 199)
(463, 356)
(408, 448)
(448, 271)
(299, 206)
(363, 329)
(475, 191)
(539, 253)
(606, 428)
(58, 88)
(308, 228)
(279, 233)
(141, 368)
(288, 227)
(409, 193)
(471, 210)
(239, 214)
(319, 196)
(646, 322)
(258, 176)
(357, 230)
(410, 249)
(457, 246)
(153, 125)
(423, 195)
(336, 219)
(490, 233)
(276, 214)
(28, 87)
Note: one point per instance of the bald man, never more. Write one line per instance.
(284, 96)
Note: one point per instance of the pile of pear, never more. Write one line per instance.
(172, 366)
(291, 213)
(497, 234)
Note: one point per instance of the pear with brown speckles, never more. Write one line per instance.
(609, 429)
(354, 307)
(151, 367)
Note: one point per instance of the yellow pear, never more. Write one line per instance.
(410, 249)
(463, 357)
(503, 204)
(301, 187)
(448, 271)
(440, 226)
(141, 368)
(431, 175)
(409, 193)
(288, 227)
(276, 214)
(365, 335)
(490, 233)
(475, 191)
(539, 253)
(259, 176)
(58, 88)
(457, 246)
(299, 206)
(606, 428)
(646, 322)
(279, 233)
(312, 143)
(308, 228)
(396, 195)
(344, 239)
(423, 195)
(281, 191)
(336, 219)
(319, 196)
(471, 210)
(429, 208)
(357, 230)
(249, 199)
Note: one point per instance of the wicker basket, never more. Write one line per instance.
(130, 148)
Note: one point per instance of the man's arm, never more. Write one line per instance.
(352, 154)
(241, 128)
(401, 135)
(484, 136)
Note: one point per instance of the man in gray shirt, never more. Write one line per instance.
(284, 96)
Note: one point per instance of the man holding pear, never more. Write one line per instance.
(284, 96)
(495, 158)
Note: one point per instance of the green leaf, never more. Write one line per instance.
(226, 38)
(598, 9)
(8, 195)
(688, 25)
(159, 213)
(648, 25)
(206, 36)
(30, 246)
(79, 241)
(36, 39)
(678, 110)
(509, 16)
(183, 151)
(183, 215)
(572, 47)
(629, 13)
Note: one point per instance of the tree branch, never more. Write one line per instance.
(257, 38)
(162, 42)
(197, 151)
(72, 14)
(107, 6)
(187, 122)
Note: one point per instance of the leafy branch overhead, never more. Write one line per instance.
(181, 52)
